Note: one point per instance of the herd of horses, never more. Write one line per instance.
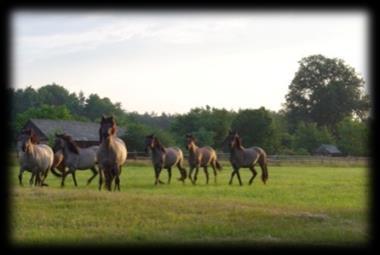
(107, 158)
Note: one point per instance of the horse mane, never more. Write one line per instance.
(158, 144)
(71, 144)
(238, 142)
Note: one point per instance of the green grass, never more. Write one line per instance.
(299, 205)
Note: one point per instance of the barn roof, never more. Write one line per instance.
(329, 148)
(78, 130)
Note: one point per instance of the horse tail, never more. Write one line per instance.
(55, 173)
(218, 165)
(263, 164)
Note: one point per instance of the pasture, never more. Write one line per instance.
(299, 205)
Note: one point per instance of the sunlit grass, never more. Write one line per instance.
(298, 205)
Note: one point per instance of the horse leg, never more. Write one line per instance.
(182, 171)
(117, 178)
(94, 173)
(20, 175)
(232, 176)
(64, 176)
(190, 173)
(100, 179)
(44, 178)
(169, 174)
(74, 177)
(214, 169)
(157, 171)
(238, 175)
(196, 174)
(32, 179)
(254, 173)
(38, 179)
(206, 173)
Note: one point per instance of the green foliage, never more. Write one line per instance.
(136, 132)
(203, 121)
(353, 137)
(324, 91)
(308, 137)
(44, 111)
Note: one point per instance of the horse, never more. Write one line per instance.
(201, 157)
(164, 158)
(58, 163)
(75, 158)
(112, 153)
(241, 157)
(34, 157)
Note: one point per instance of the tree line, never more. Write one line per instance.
(326, 104)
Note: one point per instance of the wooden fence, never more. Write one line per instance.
(282, 159)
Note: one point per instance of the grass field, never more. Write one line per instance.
(299, 205)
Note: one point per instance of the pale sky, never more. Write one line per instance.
(174, 61)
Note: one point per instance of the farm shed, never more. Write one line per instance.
(328, 150)
(83, 133)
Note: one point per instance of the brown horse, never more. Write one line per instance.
(34, 157)
(112, 153)
(241, 157)
(76, 158)
(201, 157)
(165, 158)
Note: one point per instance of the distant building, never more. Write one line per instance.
(83, 133)
(328, 150)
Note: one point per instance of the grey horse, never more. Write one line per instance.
(241, 157)
(201, 157)
(75, 158)
(111, 155)
(164, 158)
(34, 157)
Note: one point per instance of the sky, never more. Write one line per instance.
(174, 61)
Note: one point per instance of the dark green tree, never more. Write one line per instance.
(325, 91)
(353, 137)
(308, 137)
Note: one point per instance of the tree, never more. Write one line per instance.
(353, 137)
(325, 91)
(96, 106)
(215, 122)
(136, 132)
(308, 136)
(45, 111)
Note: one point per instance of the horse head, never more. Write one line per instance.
(107, 127)
(190, 141)
(28, 137)
(152, 142)
(232, 140)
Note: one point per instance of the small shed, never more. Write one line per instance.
(85, 134)
(328, 150)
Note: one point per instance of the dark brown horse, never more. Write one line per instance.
(164, 158)
(241, 157)
(201, 157)
(112, 153)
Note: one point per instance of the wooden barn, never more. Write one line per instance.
(83, 133)
(328, 150)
